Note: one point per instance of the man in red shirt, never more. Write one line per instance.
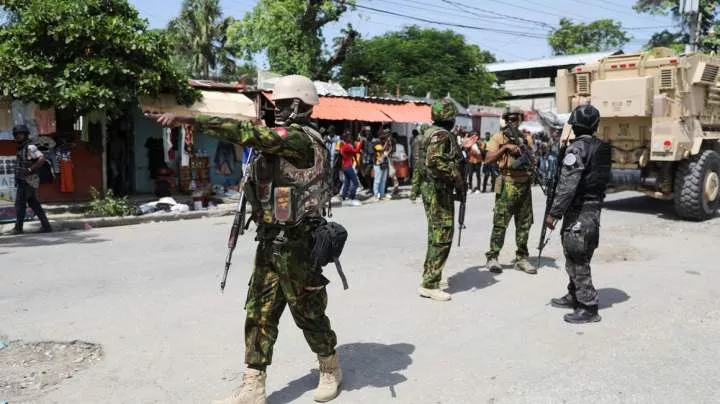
(348, 151)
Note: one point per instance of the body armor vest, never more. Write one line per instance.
(281, 193)
(598, 167)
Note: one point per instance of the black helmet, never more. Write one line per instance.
(20, 129)
(584, 119)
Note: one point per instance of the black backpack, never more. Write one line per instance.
(46, 172)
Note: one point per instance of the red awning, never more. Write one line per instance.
(407, 112)
(347, 109)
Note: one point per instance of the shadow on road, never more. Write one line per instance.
(607, 297)
(470, 279)
(644, 205)
(363, 365)
(546, 262)
(34, 240)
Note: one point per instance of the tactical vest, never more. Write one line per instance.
(425, 143)
(598, 169)
(283, 194)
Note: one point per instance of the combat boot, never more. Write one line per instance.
(330, 378)
(566, 302)
(493, 266)
(252, 390)
(434, 294)
(525, 266)
(444, 284)
(583, 314)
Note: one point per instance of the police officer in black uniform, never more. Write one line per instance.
(580, 193)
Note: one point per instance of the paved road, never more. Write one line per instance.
(149, 294)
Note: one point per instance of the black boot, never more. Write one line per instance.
(16, 231)
(583, 314)
(566, 302)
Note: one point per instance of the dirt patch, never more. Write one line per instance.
(611, 252)
(29, 370)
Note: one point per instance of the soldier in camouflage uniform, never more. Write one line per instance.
(286, 204)
(439, 170)
(513, 196)
(586, 171)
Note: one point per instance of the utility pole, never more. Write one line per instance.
(691, 12)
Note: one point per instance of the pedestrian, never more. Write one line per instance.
(348, 153)
(513, 197)
(439, 166)
(28, 162)
(381, 166)
(474, 169)
(287, 197)
(585, 173)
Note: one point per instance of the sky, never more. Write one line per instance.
(509, 40)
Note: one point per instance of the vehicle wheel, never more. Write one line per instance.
(697, 186)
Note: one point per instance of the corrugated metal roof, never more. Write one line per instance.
(357, 109)
(549, 62)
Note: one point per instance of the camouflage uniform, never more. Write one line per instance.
(418, 152)
(441, 169)
(513, 198)
(282, 274)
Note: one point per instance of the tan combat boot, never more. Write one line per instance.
(525, 266)
(252, 390)
(434, 294)
(330, 378)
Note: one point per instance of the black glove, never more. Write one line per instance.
(460, 189)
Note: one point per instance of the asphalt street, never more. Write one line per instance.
(149, 295)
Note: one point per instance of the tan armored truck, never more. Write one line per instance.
(661, 114)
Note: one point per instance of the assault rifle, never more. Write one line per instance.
(552, 183)
(526, 154)
(462, 197)
(239, 224)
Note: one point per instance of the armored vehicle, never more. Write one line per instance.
(661, 113)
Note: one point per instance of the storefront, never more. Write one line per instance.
(183, 160)
(77, 157)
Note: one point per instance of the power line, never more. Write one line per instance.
(448, 24)
(456, 4)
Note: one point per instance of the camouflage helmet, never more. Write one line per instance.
(443, 111)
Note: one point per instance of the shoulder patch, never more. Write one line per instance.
(570, 160)
(282, 132)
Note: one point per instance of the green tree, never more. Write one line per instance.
(676, 38)
(199, 36)
(290, 33)
(84, 56)
(421, 61)
(597, 36)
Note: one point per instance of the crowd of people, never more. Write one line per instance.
(368, 159)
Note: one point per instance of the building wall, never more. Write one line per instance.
(210, 144)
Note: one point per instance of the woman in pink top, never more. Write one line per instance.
(348, 151)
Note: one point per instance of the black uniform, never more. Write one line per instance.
(580, 193)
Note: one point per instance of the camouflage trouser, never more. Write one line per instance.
(440, 212)
(514, 199)
(580, 238)
(283, 276)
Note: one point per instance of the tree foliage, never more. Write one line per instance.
(199, 37)
(675, 38)
(597, 36)
(421, 61)
(82, 56)
(290, 32)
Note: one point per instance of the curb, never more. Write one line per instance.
(101, 222)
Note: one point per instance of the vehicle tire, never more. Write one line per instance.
(697, 186)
